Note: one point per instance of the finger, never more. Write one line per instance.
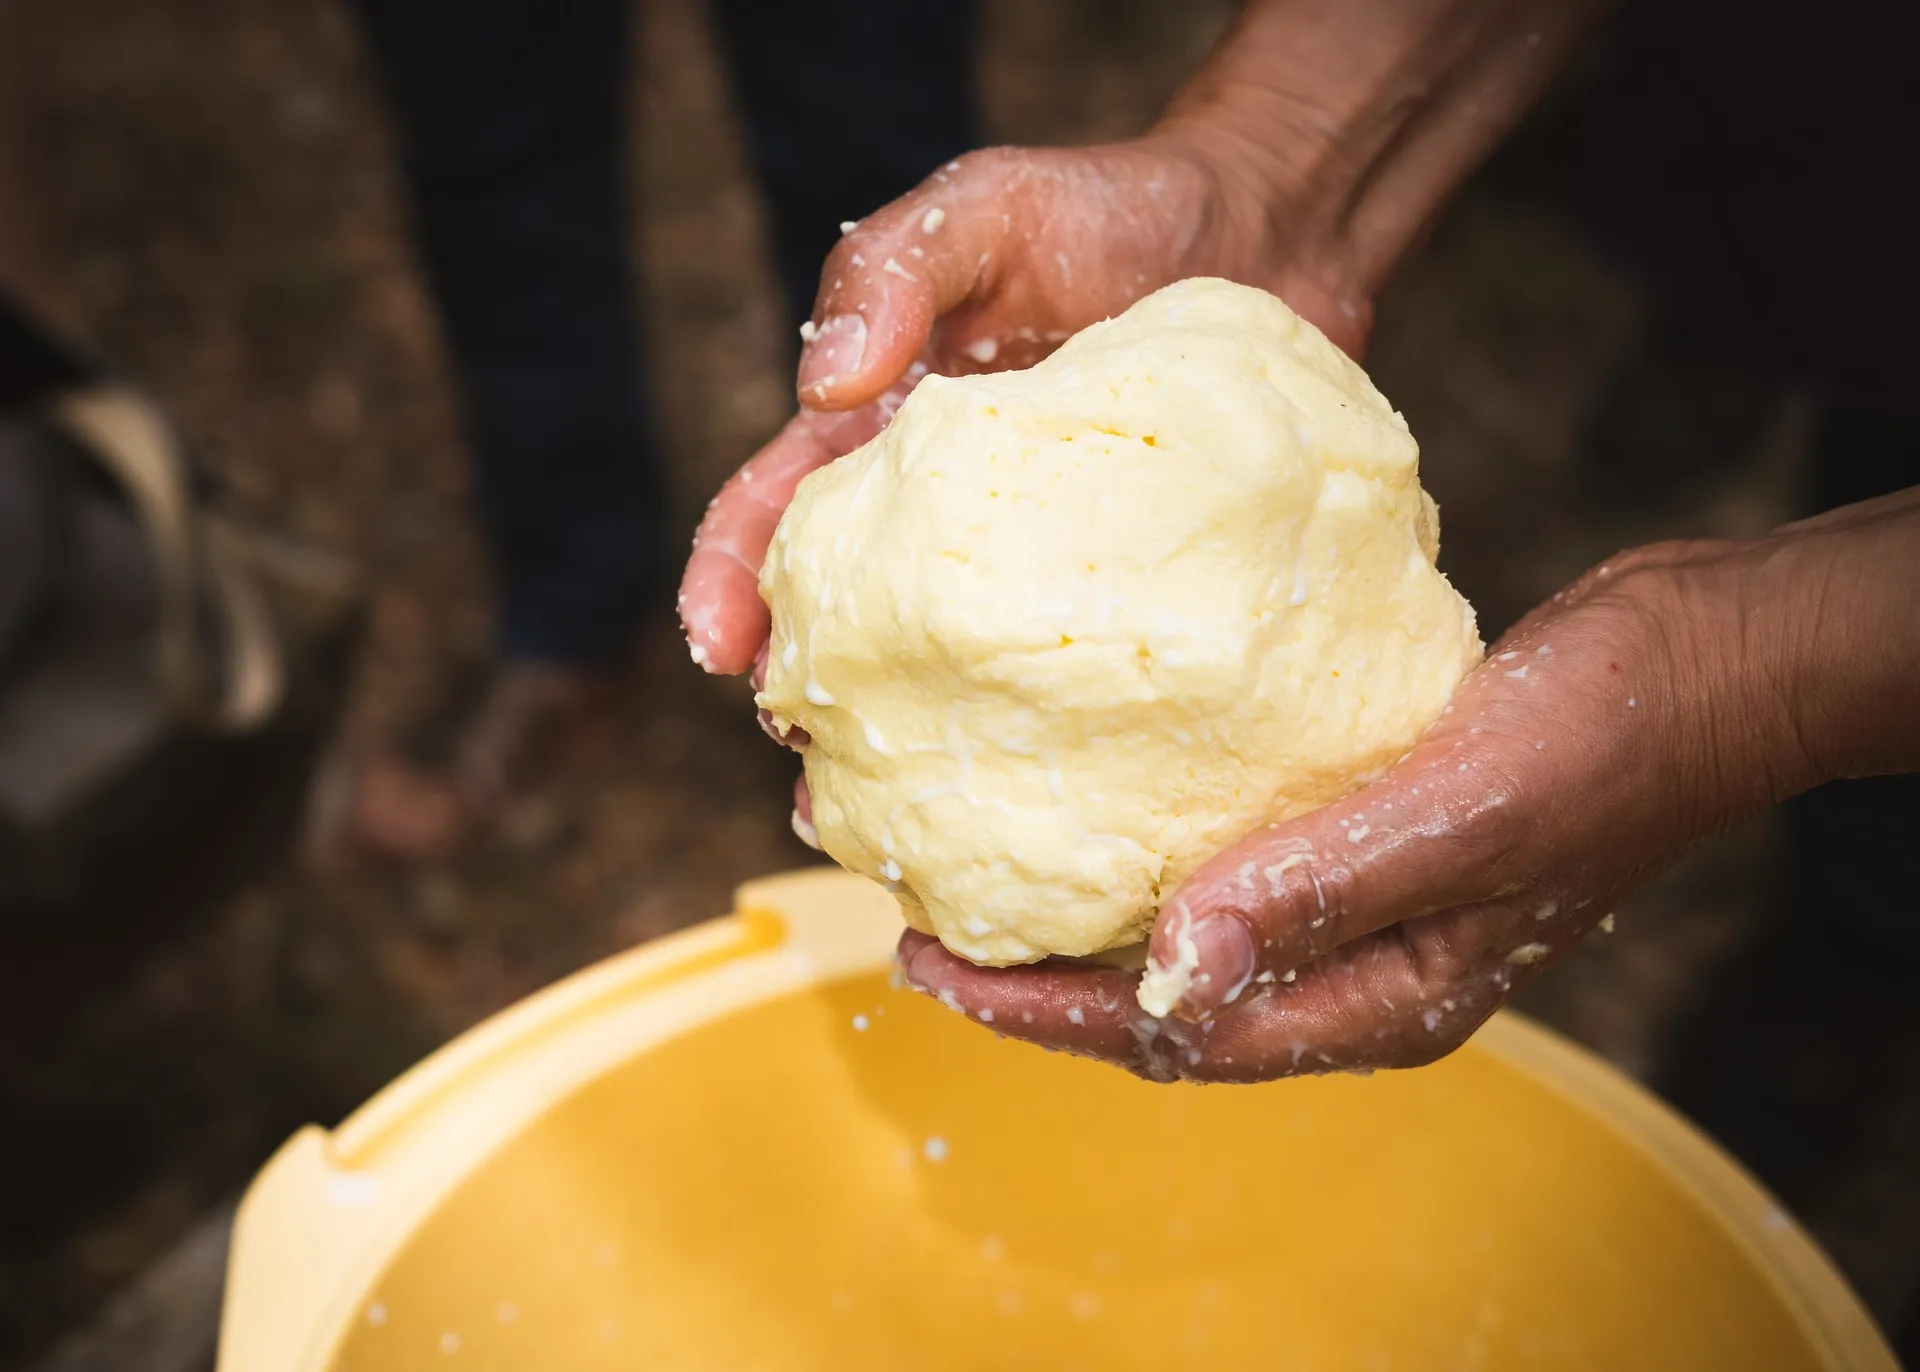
(803, 815)
(1073, 1007)
(1515, 794)
(794, 736)
(1374, 1004)
(1320, 1024)
(1399, 998)
(897, 271)
(1437, 832)
(720, 606)
(785, 733)
(1383, 1001)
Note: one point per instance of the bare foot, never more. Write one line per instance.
(415, 810)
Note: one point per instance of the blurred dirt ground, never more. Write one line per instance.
(228, 223)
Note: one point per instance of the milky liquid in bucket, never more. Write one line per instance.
(739, 1148)
(787, 1189)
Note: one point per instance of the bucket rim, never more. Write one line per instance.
(331, 1209)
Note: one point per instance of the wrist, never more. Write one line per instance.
(1703, 676)
(1278, 182)
(1739, 648)
(1835, 597)
(1336, 133)
(1795, 656)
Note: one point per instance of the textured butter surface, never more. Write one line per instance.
(1061, 634)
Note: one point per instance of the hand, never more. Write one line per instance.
(991, 263)
(1667, 695)
(1304, 157)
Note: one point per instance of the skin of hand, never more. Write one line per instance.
(1669, 694)
(991, 263)
(1305, 157)
(1640, 712)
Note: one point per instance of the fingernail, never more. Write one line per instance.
(803, 828)
(1223, 964)
(834, 353)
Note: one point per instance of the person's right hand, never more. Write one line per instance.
(990, 263)
(1304, 157)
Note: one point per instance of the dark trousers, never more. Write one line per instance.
(513, 118)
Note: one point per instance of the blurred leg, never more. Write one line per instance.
(512, 116)
(850, 103)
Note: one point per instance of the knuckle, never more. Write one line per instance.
(1441, 965)
(990, 163)
(841, 268)
(1293, 898)
(1457, 958)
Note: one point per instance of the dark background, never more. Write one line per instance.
(226, 216)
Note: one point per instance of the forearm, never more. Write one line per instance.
(1343, 126)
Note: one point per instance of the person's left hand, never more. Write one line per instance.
(1612, 729)
(1007, 252)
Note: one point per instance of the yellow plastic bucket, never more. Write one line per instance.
(738, 1148)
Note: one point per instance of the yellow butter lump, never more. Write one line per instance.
(1059, 635)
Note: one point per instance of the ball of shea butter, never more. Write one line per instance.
(1059, 635)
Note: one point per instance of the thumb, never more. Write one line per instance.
(893, 275)
(1435, 833)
